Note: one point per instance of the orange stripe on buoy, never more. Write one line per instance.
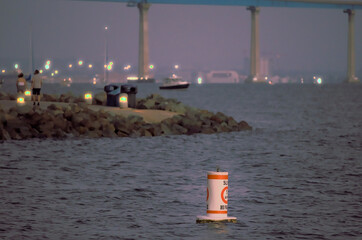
(217, 176)
(216, 212)
(222, 195)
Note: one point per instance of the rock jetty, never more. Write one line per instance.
(76, 119)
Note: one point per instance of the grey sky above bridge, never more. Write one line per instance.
(199, 37)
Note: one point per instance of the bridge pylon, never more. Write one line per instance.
(254, 76)
(351, 65)
(143, 48)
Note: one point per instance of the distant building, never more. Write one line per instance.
(264, 67)
(222, 77)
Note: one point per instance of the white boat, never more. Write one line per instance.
(174, 82)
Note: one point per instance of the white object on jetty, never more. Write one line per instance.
(88, 98)
(217, 199)
(20, 101)
(27, 95)
(123, 100)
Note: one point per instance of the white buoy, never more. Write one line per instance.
(217, 199)
(123, 100)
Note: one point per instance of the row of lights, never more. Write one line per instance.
(80, 63)
(108, 67)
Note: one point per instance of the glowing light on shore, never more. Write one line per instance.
(3, 71)
(128, 67)
(123, 99)
(70, 66)
(16, 66)
(47, 62)
(80, 62)
(41, 71)
(199, 80)
(177, 66)
(52, 74)
(27, 93)
(47, 67)
(132, 78)
(90, 65)
(319, 80)
(20, 100)
(151, 66)
(88, 96)
(56, 71)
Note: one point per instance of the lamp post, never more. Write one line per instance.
(106, 56)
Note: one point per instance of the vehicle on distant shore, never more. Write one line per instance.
(174, 82)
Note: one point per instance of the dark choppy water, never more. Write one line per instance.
(297, 175)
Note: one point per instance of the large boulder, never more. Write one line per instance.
(4, 135)
(50, 98)
(100, 98)
(67, 97)
(4, 96)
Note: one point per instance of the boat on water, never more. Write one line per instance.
(174, 82)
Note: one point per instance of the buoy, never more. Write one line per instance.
(123, 100)
(217, 199)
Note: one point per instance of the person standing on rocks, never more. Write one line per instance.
(21, 83)
(36, 84)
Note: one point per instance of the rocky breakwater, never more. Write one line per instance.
(76, 119)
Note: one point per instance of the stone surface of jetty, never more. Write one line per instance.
(69, 116)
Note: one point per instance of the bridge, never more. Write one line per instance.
(253, 6)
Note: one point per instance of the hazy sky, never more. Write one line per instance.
(204, 37)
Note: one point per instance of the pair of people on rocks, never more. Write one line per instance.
(36, 84)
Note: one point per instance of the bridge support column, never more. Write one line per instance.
(254, 47)
(351, 67)
(143, 54)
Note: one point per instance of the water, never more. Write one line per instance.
(297, 175)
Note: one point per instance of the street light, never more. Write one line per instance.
(128, 67)
(47, 65)
(106, 55)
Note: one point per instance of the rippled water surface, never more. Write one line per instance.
(297, 175)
